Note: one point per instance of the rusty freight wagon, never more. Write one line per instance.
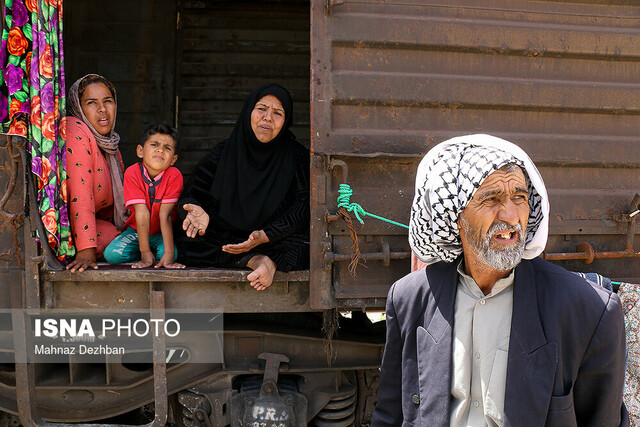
(376, 83)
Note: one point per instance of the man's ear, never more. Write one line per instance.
(140, 151)
(175, 157)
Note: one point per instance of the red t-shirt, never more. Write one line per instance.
(139, 188)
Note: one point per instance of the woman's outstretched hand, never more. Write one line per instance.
(196, 221)
(256, 238)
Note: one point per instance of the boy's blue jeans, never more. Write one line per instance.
(126, 248)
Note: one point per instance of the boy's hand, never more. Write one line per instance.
(85, 258)
(196, 221)
(146, 260)
(256, 238)
(167, 261)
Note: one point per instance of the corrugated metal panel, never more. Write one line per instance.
(228, 48)
(132, 43)
(560, 79)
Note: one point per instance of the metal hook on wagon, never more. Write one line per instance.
(330, 4)
(585, 251)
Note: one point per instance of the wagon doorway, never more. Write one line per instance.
(227, 48)
(190, 62)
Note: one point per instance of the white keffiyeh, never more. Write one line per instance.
(448, 177)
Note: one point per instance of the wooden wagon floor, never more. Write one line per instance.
(124, 273)
(120, 287)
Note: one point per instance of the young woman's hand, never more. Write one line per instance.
(256, 238)
(196, 221)
(85, 258)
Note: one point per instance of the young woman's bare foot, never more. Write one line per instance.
(263, 272)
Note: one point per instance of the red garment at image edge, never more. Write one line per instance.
(139, 188)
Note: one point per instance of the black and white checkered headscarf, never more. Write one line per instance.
(448, 177)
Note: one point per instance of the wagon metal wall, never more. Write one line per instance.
(12, 218)
(560, 79)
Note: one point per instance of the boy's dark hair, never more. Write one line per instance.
(163, 128)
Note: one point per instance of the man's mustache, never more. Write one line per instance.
(499, 226)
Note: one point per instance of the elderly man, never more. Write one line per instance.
(488, 334)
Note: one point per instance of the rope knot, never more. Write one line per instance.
(344, 201)
(344, 206)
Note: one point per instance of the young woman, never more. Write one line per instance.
(94, 166)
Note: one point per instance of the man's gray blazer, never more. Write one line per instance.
(566, 350)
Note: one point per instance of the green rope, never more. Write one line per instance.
(344, 201)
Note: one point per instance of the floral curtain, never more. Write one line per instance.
(32, 104)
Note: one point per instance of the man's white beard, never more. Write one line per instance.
(504, 259)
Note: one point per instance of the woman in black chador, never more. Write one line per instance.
(247, 202)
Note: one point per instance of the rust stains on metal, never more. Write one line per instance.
(159, 363)
(12, 220)
(330, 4)
(17, 251)
(385, 256)
(586, 253)
(15, 157)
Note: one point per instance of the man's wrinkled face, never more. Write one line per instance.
(493, 225)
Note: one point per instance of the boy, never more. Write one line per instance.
(151, 190)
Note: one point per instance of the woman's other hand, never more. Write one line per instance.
(196, 221)
(85, 258)
(256, 238)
